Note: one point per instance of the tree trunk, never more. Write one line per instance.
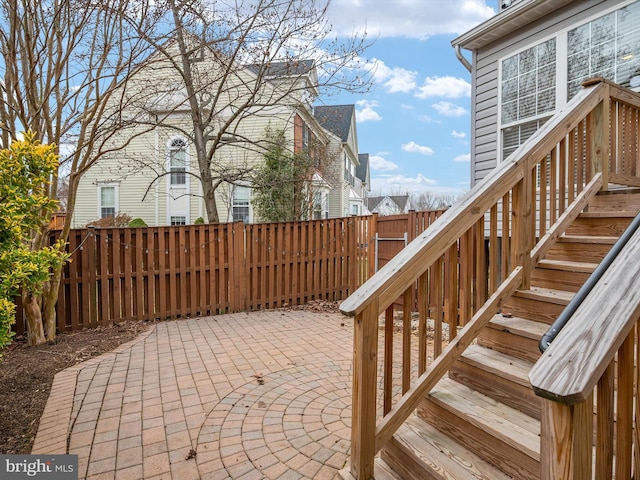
(34, 319)
(49, 301)
(209, 194)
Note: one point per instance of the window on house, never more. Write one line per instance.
(178, 162)
(608, 46)
(240, 206)
(355, 209)
(318, 206)
(516, 135)
(528, 93)
(178, 220)
(108, 201)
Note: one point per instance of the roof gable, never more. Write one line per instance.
(336, 118)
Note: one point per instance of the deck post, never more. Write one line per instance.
(566, 440)
(365, 368)
(599, 139)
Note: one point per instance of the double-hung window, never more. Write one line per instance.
(108, 198)
(240, 206)
(528, 93)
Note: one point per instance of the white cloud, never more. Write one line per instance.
(379, 163)
(463, 158)
(457, 134)
(394, 80)
(367, 112)
(428, 119)
(448, 109)
(410, 19)
(446, 87)
(413, 147)
(401, 184)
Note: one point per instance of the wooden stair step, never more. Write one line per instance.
(498, 363)
(590, 239)
(381, 471)
(567, 265)
(497, 433)
(581, 248)
(548, 295)
(499, 376)
(600, 223)
(513, 336)
(519, 326)
(608, 214)
(566, 274)
(538, 303)
(419, 451)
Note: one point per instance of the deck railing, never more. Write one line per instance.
(578, 371)
(506, 223)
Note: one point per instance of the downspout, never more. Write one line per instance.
(462, 58)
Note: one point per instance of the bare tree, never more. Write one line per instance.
(62, 63)
(431, 201)
(224, 64)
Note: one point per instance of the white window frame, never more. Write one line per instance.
(170, 149)
(534, 118)
(248, 206)
(116, 188)
(561, 71)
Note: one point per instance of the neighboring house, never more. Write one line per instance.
(388, 204)
(348, 192)
(150, 178)
(531, 58)
(359, 205)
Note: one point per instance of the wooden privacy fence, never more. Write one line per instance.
(393, 232)
(118, 274)
(154, 273)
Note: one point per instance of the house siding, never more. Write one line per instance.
(485, 141)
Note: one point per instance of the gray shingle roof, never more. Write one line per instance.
(335, 118)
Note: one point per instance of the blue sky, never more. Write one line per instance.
(415, 121)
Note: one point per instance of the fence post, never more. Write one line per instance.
(91, 265)
(239, 263)
(371, 236)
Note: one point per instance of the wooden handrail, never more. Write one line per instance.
(533, 194)
(443, 363)
(582, 351)
(406, 267)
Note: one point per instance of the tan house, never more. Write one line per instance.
(155, 176)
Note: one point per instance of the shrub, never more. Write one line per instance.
(199, 221)
(120, 220)
(137, 223)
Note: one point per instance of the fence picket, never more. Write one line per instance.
(154, 273)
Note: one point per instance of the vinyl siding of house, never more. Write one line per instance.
(486, 71)
(139, 171)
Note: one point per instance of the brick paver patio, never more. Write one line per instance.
(244, 396)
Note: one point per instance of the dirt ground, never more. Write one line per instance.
(26, 374)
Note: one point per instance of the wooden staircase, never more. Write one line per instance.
(461, 406)
(482, 420)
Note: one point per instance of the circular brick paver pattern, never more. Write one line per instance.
(294, 423)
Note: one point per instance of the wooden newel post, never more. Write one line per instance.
(521, 232)
(365, 367)
(566, 439)
(599, 140)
